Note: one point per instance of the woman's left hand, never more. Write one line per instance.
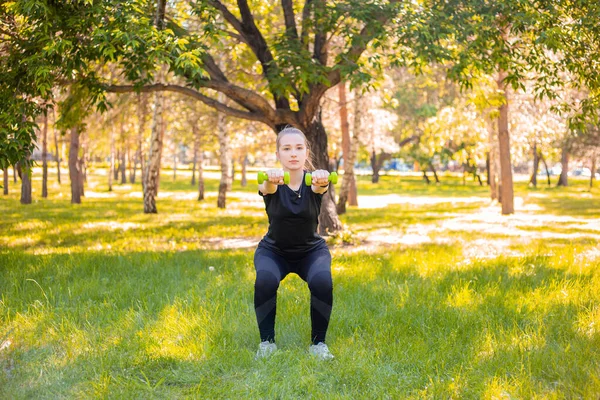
(320, 177)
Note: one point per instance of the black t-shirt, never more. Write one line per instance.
(293, 219)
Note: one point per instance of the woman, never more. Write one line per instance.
(291, 244)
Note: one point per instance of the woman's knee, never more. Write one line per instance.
(266, 282)
(321, 284)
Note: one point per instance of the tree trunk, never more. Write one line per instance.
(45, 158)
(151, 178)
(81, 165)
(244, 181)
(195, 158)
(426, 178)
(117, 167)
(536, 165)
(15, 173)
(593, 174)
(479, 179)
(74, 167)
(563, 180)
(111, 168)
(200, 172)
(494, 178)
(487, 167)
(174, 161)
(123, 162)
(142, 110)
(329, 221)
(437, 179)
(56, 147)
(25, 184)
(506, 191)
(5, 173)
(131, 164)
(152, 172)
(349, 153)
(224, 157)
(232, 176)
(354, 144)
(542, 159)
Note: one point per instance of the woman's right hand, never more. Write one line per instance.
(275, 176)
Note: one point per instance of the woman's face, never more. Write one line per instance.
(292, 152)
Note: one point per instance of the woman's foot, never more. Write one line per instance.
(321, 351)
(265, 349)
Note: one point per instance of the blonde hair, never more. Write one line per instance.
(290, 130)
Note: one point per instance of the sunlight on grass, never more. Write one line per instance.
(435, 296)
(178, 334)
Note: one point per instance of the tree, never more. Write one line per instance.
(296, 68)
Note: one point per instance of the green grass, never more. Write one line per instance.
(99, 300)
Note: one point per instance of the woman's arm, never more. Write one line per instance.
(267, 188)
(275, 178)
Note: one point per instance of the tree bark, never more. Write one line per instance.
(142, 111)
(82, 165)
(329, 221)
(348, 183)
(174, 160)
(506, 190)
(45, 157)
(437, 179)
(152, 172)
(195, 157)
(117, 166)
(593, 170)
(5, 173)
(56, 147)
(124, 151)
(74, 172)
(200, 173)
(563, 179)
(426, 178)
(223, 159)
(487, 167)
(25, 184)
(231, 176)
(536, 165)
(545, 167)
(244, 181)
(111, 168)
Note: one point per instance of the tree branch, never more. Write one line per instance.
(229, 17)
(254, 39)
(305, 17)
(252, 116)
(311, 102)
(290, 19)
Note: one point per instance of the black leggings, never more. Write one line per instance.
(314, 268)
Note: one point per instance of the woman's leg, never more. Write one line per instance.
(270, 270)
(315, 269)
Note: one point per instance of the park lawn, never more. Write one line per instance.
(100, 300)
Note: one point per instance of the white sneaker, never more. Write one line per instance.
(321, 351)
(265, 349)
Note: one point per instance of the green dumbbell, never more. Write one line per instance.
(333, 178)
(262, 176)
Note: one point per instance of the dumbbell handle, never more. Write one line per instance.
(333, 178)
(262, 176)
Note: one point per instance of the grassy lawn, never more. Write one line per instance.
(435, 296)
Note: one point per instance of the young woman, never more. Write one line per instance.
(291, 244)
